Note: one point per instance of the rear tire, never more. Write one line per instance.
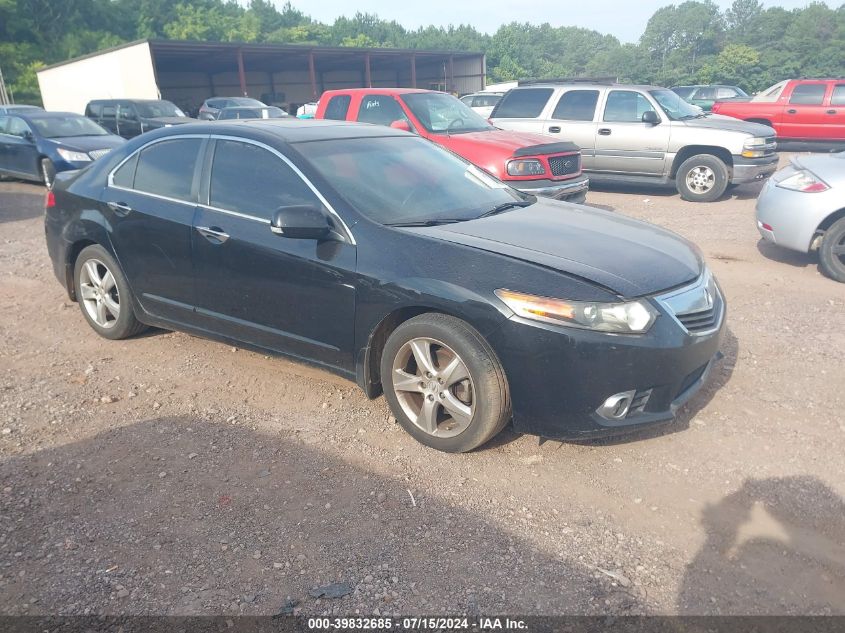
(48, 172)
(104, 295)
(832, 251)
(702, 178)
(455, 398)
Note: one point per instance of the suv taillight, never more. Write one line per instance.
(50, 200)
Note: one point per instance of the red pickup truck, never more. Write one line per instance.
(799, 109)
(525, 161)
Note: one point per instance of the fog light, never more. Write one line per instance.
(616, 407)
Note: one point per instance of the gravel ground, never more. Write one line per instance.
(172, 475)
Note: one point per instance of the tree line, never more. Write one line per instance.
(747, 45)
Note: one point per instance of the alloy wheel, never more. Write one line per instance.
(433, 387)
(99, 293)
(700, 179)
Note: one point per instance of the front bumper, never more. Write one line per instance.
(751, 169)
(573, 190)
(559, 377)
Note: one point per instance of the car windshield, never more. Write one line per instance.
(67, 126)
(156, 109)
(405, 179)
(253, 113)
(441, 113)
(684, 91)
(676, 108)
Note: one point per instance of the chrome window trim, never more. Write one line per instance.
(702, 282)
(239, 139)
(154, 195)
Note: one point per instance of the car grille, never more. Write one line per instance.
(699, 308)
(98, 153)
(565, 165)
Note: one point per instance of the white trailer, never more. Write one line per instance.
(122, 73)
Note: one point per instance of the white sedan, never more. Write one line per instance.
(802, 207)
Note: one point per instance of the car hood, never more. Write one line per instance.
(626, 256)
(828, 167)
(502, 143)
(89, 143)
(169, 120)
(721, 122)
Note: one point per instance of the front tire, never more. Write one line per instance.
(702, 178)
(103, 294)
(48, 172)
(444, 383)
(832, 251)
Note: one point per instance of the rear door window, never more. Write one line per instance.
(167, 168)
(338, 107)
(94, 110)
(526, 103)
(577, 105)
(109, 111)
(707, 93)
(125, 174)
(808, 94)
(239, 167)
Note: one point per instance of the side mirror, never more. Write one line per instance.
(650, 117)
(301, 222)
(401, 124)
(28, 136)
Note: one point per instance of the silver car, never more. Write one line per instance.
(802, 207)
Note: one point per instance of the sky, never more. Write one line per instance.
(626, 19)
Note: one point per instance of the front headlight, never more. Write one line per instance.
(630, 317)
(72, 156)
(805, 181)
(526, 167)
(756, 147)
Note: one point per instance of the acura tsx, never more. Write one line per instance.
(381, 257)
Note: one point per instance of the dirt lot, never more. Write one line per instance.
(172, 475)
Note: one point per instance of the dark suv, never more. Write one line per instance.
(131, 117)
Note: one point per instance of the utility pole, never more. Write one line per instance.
(4, 96)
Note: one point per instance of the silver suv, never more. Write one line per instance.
(643, 134)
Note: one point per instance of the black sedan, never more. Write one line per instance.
(381, 257)
(34, 144)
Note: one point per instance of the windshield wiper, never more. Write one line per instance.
(427, 222)
(499, 208)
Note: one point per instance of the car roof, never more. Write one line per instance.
(589, 85)
(286, 130)
(126, 100)
(380, 91)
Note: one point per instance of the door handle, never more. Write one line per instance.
(831, 112)
(604, 131)
(791, 111)
(213, 234)
(120, 208)
(554, 129)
